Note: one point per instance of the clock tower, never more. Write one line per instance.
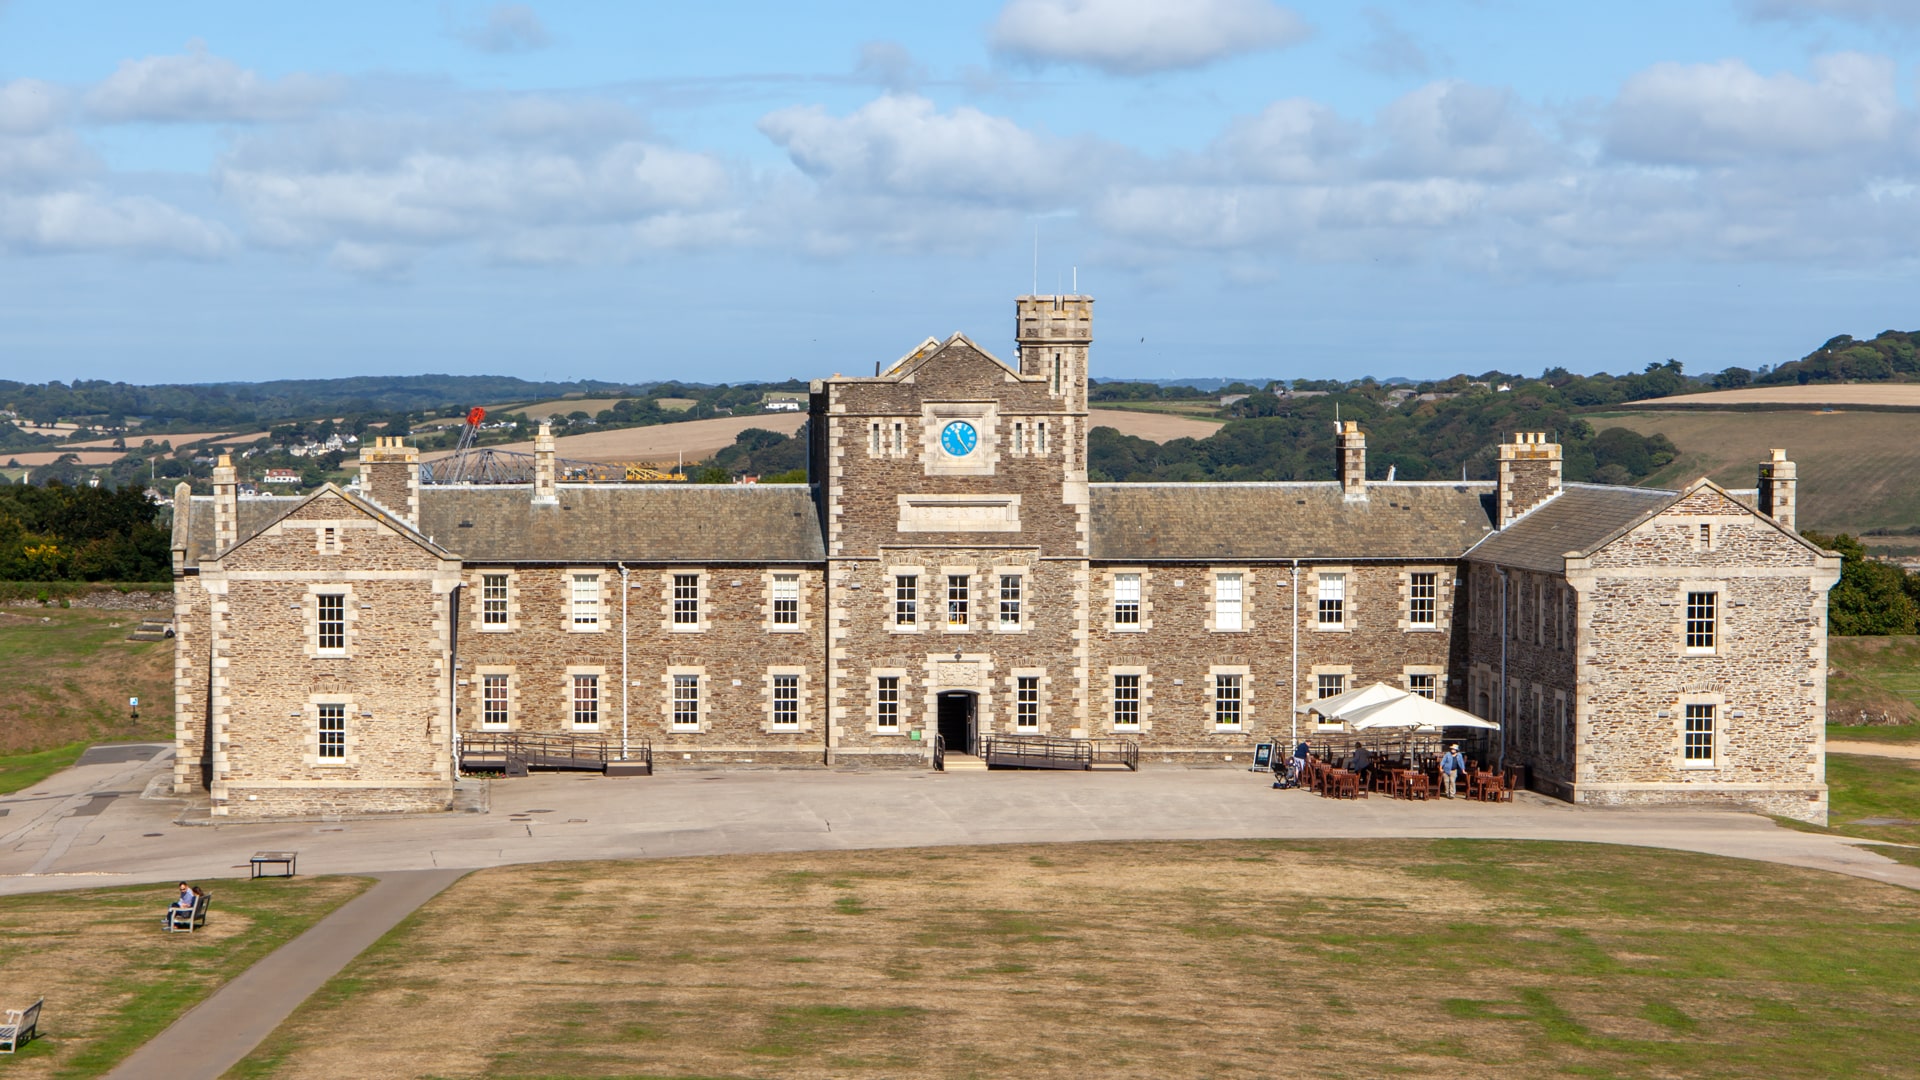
(952, 494)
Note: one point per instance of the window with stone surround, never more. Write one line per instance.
(906, 600)
(332, 624)
(585, 597)
(586, 701)
(1026, 703)
(1228, 691)
(686, 601)
(1011, 590)
(1702, 623)
(329, 540)
(873, 439)
(1332, 611)
(886, 703)
(1423, 684)
(686, 703)
(786, 701)
(1697, 749)
(1228, 610)
(1423, 600)
(1126, 601)
(493, 601)
(786, 600)
(959, 601)
(1326, 686)
(1040, 438)
(333, 733)
(1126, 702)
(493, 701)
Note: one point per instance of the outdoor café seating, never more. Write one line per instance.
(1404, 735)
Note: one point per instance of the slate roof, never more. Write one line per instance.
(254, 514)
(626, 523)
(1157, 522)
(1580, 519)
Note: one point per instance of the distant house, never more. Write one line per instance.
(781, 406)
(280, 476)
(783, 401)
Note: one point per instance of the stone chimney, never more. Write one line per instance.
(1529, 474)
(390, 477)
(1353, 458)
(544, 491)
(182, 524)
(226, 504)
(1778, 480)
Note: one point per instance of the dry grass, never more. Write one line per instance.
(1152, 426)
(1214, 959)
(697, 439)
(182, 439)
(1898, 395)
(67, 675)
(113, 979)
(1857, 470)
(33, 459)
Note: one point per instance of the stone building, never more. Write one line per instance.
(949, 572)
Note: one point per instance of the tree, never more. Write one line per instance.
(1873, 597)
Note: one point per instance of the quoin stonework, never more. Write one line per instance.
(949, 573)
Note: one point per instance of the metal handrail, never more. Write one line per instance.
(1052, 751)
(536, 747)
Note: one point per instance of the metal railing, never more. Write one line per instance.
(517, 751)
(1052, 752)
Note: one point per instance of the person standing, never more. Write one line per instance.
(1451, 766)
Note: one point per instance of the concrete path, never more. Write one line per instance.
(217, 1033)
(1874, 749)
(553, 817)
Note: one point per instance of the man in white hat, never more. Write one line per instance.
(1451, 766)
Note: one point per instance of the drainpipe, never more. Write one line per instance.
(1293, 673)
(453, 674)
(1503, 667)
(625, 684)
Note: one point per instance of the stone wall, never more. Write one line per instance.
(733, 651)
(192, 684)
(272, 677)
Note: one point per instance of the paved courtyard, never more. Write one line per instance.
(91, 825)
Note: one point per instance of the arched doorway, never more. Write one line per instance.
(956, 719)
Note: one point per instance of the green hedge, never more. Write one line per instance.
(45, 591)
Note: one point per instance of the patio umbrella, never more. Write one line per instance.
(1339, 706)
(1412, 711)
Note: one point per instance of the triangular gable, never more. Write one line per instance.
(931, 352)
(354, 502)
(1692, 491)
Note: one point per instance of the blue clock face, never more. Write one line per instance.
(959, 438)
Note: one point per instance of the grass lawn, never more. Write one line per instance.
(68, 673)
(113, 979)
(1879, 675)
(1207, 959)
(19, 771)
(1875, 788)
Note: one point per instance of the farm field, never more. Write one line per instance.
(541, 410)
(1217, 959)
(1152, 426)
(697, 439)
(1879, 676)
(1858, 470)
(185, 438)
(36, 458)
(1901, 395)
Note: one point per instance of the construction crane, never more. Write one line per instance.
(469, 464)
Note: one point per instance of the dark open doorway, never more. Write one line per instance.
(956, 721)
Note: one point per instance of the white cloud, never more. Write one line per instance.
(1723, 112)
(902, 145)
(1391, 50)
(35, 162)
(1459, 129)
(71, 222)
(29, 106)
(506, 28)
(535, 179)
(1869, 11)
(889, 64)
(1137, 37)
(199, 87)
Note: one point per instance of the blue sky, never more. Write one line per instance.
(727, 191)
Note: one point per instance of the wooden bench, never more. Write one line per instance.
(21, 1026)
(285, 860)
(180, 919)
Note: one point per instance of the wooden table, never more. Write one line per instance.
(285, 860)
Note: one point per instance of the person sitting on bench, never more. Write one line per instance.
(188, 897)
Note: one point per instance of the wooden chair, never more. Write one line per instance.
(21, 1026)
(1414, 786)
